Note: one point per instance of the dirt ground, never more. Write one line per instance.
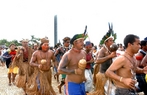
(5, 89)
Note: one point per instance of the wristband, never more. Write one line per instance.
(39, 66)
(75, 71)
(120, 79)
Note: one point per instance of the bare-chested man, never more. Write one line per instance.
(123, 69)
(104, 59)
(41, 61)
(69, 66)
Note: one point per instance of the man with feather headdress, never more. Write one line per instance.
(104, 59)
(69, 65)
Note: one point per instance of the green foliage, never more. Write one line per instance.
(34, 39)
(7, 43)
(3, 42)
(17, 43)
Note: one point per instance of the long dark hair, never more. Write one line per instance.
(40, 48)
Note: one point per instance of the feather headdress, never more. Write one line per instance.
(78, 36)
(109, 34)
(44, 40)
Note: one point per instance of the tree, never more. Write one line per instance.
(34, 39)
(16, 42)
(3, 42)
(7, 43)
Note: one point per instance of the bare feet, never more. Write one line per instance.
(13, 83)
(2, 64)
(9, 84)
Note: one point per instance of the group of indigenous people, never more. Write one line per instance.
(123, 74)
(32, 67)
(17, 61)
(124, 68)
(113, 74)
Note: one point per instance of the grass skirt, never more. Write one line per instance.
(40, 83)
(95, 71)
(99, 87)
(22, 76)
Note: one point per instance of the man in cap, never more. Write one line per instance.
(69, 66)
(104, 59)
(88, 73)
(41, 61)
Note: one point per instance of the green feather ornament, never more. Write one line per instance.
(77, 36)
(108, 34)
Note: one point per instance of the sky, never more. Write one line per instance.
(19, 19)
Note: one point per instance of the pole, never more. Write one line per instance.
(55, 30)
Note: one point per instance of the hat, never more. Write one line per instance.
(108, 35)
(24, 40)
(145, 39)
(87, 43)
(79, 36)
(143, 42)
(76, 37)
(44, 40)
